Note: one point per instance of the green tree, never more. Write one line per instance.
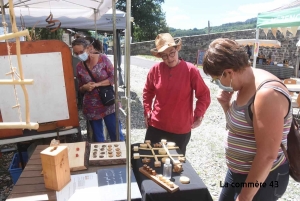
(149, 20)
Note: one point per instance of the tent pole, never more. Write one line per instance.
(127, 95)
(95, 21)
(297, 63)
(2, 10)
(256, 40)
(115, 70)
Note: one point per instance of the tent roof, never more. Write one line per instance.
(285, 16)
(290, 5)
(264, 43)
(77, 14)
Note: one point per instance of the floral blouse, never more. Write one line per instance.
(93, 109)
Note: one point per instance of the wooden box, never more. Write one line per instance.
(56, 169)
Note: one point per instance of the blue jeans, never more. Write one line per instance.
(275, 185)
(105, 46)
(110, 122)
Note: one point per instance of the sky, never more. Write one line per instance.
(190, 14)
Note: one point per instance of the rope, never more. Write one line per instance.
(13, 73)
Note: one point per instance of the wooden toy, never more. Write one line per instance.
(160, 180)
(107, 153)
(76, 154)
(56, 168)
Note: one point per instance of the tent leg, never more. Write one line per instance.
(127, 95)
(255, 55)
(297, 63)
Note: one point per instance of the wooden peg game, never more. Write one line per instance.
(160, 180)
(111, 153)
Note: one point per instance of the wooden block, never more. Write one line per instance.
(56, 169)
(47, 126)
(76, 154)
(159, 182)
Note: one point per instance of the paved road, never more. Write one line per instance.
(146, 63)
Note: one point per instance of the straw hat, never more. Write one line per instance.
(164, 41)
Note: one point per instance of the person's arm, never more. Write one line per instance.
(269, 109)
(148, 95)
(202, 94)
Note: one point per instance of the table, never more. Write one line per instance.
(293, 87)
(151, 191)
(281, 72)
(31, 181)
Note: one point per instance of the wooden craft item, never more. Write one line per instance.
(163, 182)
(56, 169)
(76, 154)
(111, 153)
(157, 163)
(21, 81)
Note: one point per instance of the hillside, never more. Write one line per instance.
(248, 24)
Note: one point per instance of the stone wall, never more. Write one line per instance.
(191, 45)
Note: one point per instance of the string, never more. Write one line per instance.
(12, 72)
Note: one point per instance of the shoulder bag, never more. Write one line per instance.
(106, 93)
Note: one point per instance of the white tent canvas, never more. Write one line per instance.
(77, 14)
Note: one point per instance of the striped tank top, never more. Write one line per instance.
(240, 145)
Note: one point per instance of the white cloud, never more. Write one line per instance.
(251, 10)
(173, 9)
(180, 21)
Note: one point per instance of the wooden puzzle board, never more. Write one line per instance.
(159, 182)
(107, 153)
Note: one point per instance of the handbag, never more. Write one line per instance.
(292, 153)
(106, 93)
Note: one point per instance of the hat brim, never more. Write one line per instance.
(155, 52)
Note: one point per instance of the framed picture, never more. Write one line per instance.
(200, 56)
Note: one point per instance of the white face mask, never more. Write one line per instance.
(221, 86)
(83, 57)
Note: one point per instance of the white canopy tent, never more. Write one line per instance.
(83, 14)
(284, 18)
(87, 14)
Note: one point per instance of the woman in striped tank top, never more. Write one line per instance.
(257, 125)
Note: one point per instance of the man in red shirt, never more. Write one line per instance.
(171, 85)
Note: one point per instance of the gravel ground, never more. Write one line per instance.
(205, 150)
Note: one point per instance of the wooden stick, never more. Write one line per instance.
(16, 82)
(18, 52)
(149, 145)
(170, 148)
(174, 161)
(14, 35)
(19, 125)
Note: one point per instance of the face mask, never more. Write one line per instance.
(221, 86)
(83, 57)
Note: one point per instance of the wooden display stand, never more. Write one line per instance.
(111, 153)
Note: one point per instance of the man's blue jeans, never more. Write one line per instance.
(110, 122)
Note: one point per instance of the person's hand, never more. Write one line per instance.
(147, 119)
(89, 86)
(197, 122)
(224, 98)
